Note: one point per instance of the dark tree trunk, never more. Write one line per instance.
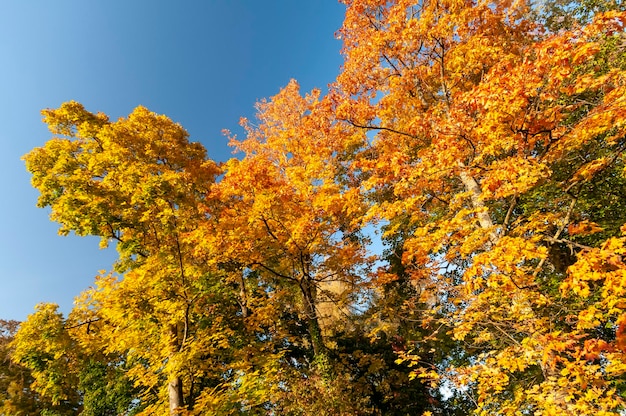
(320, 352)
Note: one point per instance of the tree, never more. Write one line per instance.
(141, 183)
(565, 14)
(290, 226)
(63, 377)
(484, 139)
(491, 146)
(17, 397)
(43, 346)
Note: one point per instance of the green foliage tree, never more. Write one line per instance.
(66, 378)
(16, 396)
(556, 15)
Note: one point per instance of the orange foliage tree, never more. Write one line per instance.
(498, 147)
(288, 225)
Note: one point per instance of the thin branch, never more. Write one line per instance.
(371, 127)
(88, 323)
(398, 73)
(557, 234)
(274, 272)
(269, 230)
(568, 243)
(186, 328)
(507, 218)
(502, 331)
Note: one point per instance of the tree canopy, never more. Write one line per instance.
(484, 141)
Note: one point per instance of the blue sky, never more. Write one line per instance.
(204, 63)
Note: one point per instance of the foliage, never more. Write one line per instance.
(564, 14)
(66, 379)
(484, 139)
(44, 347)
(492, 145)
(17, 398)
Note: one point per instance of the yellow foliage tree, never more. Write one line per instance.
(139, 182)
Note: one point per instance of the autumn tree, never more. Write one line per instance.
(140, 183)
(291, 225)
(236, 290)
(44, 347)
(492, 147)
(484, 138)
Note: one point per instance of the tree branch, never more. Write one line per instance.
(274, 272)
(371, 127)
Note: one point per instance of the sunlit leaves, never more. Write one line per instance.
(44, 346)
(488, 147)
(492, 140)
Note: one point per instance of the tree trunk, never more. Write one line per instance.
(174, 384)
(486, 223)
(175, 392)
(314, 329)
(484, 219)
(243, 297)
(321, 360)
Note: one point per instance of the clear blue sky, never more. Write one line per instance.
(204, 63)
